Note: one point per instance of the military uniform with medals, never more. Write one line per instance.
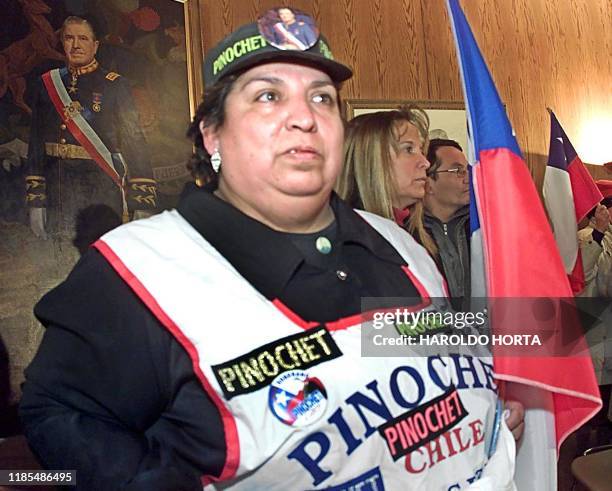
(61, 175)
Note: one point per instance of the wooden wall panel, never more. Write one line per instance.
(540, 52)
(547, 53)
(599, 172)
(442, 75)
(383, 40)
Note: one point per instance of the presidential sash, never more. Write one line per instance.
(290, 37)
(69, 112)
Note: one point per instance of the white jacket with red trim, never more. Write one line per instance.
(302, 409)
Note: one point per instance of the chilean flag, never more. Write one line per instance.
(569, 193)
(514, 254)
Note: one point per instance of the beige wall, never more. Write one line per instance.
(541, 53)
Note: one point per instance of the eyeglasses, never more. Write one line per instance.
(459, 172)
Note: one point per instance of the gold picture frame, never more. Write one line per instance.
(195, 54)
(448, 116)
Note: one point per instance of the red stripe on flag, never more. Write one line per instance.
(522, 261)
(515, 228)
(576, 277)
(585, 191)
(575, 399)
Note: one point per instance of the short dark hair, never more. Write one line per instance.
(74, 19)
(433, 158)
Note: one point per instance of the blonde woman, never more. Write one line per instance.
(385, 169)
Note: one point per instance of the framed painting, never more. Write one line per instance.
(155, 45)
(447, 119)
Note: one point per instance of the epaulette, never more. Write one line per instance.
(112, 76)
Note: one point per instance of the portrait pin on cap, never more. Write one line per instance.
(280, 34)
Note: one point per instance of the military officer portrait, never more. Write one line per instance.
(287, 28)
(86, 144)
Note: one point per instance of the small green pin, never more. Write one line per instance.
(323, 245)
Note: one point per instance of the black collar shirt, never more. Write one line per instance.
(361, 263)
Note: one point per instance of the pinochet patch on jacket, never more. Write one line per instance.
(415, 428)
(260, 367)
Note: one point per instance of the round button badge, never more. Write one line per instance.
(288, 28)
(297, 399)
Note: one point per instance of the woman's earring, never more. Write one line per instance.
(215, 160)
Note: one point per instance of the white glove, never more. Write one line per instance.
(38, 222)
(138, 214)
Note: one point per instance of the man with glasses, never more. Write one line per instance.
(446, 201)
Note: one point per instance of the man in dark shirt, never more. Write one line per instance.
(447, 220)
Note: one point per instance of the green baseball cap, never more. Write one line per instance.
(270, 39)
